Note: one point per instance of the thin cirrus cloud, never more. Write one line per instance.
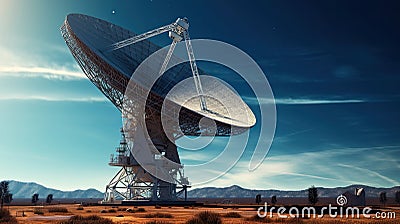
(330, 167)
(60, 73)
(54, 98)
(299, 101)
(52, 73)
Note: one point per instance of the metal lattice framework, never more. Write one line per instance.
(110, 71)
(112, 80)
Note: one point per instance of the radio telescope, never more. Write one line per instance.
(109, 55)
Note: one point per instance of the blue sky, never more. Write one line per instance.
(333, 67)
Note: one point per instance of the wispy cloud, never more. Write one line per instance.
(371, 173)
(55, 98)
(300, 101)
(316, 101)
(328, 168)
(60, 73)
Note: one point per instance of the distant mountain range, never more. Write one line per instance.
(26, 190)
(239, 192)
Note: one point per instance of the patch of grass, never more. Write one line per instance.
(232, 215)
(205, 217)
(38, 211)
(93, 219)
(256, 218)
(157, 222)
(57, 210)
(158, 215)
(5, 217)
(329, 222)
(140, 210)
(290, 220)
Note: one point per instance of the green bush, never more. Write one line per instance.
(158, 215)
(93, 219)
(205, 217)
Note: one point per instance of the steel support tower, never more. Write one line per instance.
(133, 183)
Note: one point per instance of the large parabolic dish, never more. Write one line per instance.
(87, 37)
(112, 72)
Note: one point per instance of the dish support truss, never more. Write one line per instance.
(128, 183)
(132, 182)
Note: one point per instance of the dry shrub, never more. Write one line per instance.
(289, 220)
(158, 222)
(256, 218)
(57, 210)
(329, 221)
(140, 210)
(205, 217)
(5, 217)
(93, 219)
(38, 211)
(158, 215)
(232, 215)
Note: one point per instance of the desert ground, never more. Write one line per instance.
(157, 214)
